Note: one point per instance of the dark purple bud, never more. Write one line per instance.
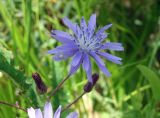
(95, 77)
(88, 87)
(41, 87)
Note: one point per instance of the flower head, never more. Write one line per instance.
(48, 113)
(86, 42)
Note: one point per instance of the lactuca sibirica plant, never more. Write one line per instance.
(48, 112)
(85, 42)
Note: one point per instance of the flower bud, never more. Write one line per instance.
(88, 87)
(41, 87)
(95, 77)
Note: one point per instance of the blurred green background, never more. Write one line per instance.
(133, 90)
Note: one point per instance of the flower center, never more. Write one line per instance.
(87, 44)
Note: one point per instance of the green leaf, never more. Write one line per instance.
(18, 77)
(153, 80)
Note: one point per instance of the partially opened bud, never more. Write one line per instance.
(41, 87)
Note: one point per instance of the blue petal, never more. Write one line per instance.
(87, 67)
(110, 57)
(78, 32)
(103, 29)
(64, 56)
(92, 22)
(38, 113)
(61, 36)
(99, 38)
(76, 58)
(73, 115)
(100, 63)
(48, 113)
(31, 112)
(92, 25)
(83, 24)
(63, 48)
(112, 46)
(69, 24)
(58, 112)
(74, 68)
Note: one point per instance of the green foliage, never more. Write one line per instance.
(16, 75)
(153, 79)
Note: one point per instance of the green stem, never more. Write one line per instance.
(74, 101)
(58, 87)
(13, 105)
(136, 92)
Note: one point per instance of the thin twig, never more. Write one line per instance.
(73, 101)
(13, 105)
(58, 87)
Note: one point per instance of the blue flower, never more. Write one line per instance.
(85, 42)
(48, 112)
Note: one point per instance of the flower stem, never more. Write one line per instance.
(58, 87)
(73, 101)
(13, 105)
